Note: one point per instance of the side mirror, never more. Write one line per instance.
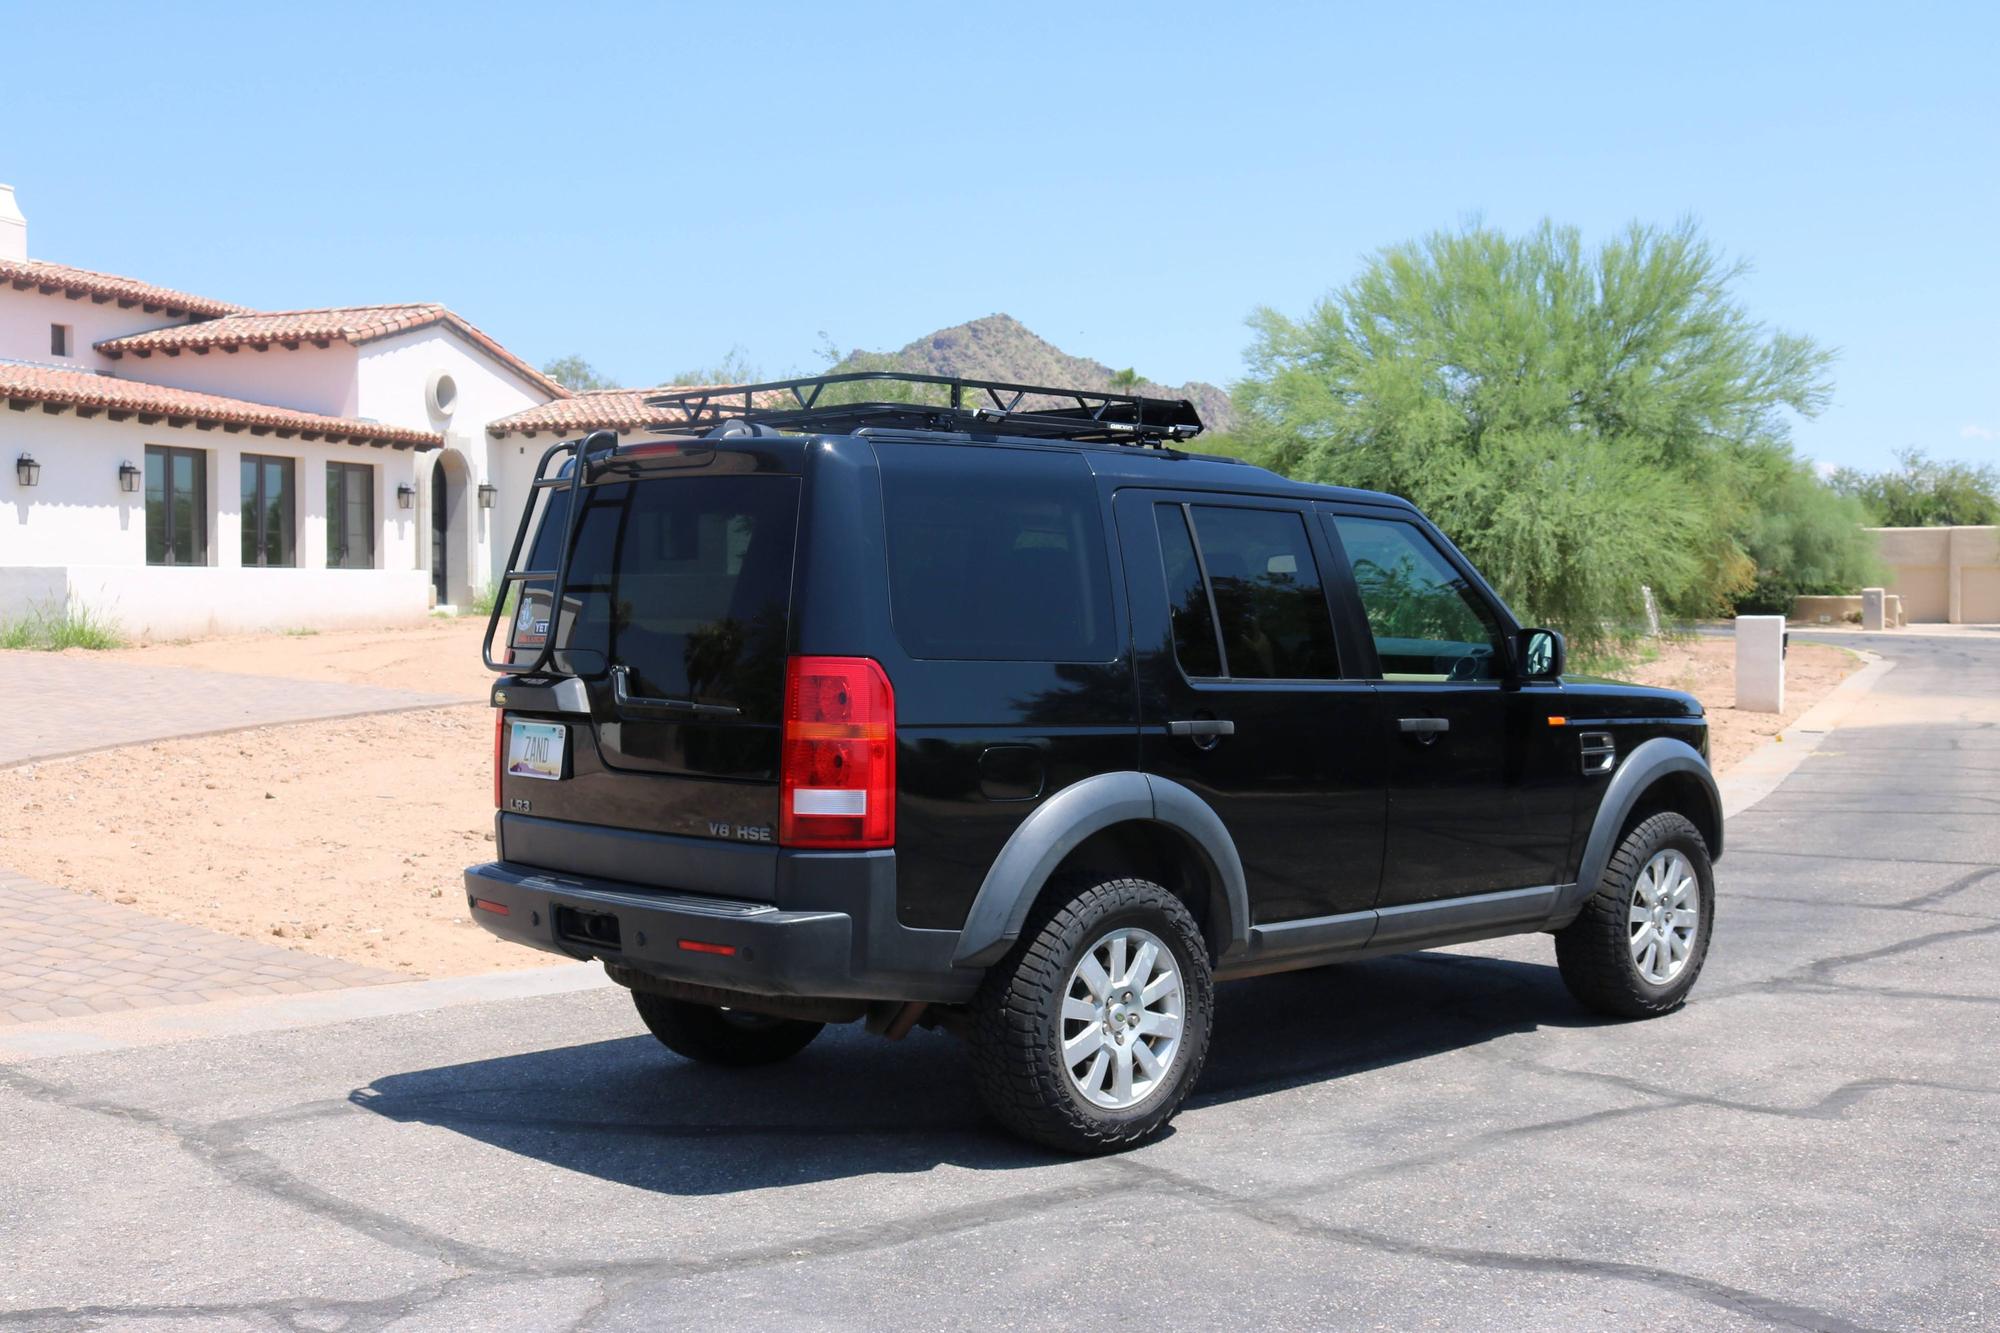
(1540, 654)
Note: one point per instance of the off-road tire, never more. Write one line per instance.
(722, 1037)
(1016, 1030)
(1594, 952)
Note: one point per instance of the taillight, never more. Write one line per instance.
(837, 780)
(499, 723)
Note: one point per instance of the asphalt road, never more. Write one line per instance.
(1443, 1140)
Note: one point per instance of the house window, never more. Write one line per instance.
(350, 516)
(176, 506)
(59, 340)
(268, 511)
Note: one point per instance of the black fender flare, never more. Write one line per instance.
(1061, 823)
(1650, 761)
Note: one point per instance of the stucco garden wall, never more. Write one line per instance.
(1944, 575)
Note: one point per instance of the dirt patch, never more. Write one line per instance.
(440, 656)
(344, 838)
(1706, 668)
(348, 838)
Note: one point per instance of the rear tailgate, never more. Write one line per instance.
(674, 629)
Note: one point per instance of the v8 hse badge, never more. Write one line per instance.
(740, 832)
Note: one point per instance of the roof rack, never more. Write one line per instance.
(817, 403)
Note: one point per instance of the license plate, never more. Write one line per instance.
(535, 749)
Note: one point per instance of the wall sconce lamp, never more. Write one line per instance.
(487, 492)
(128, 477)
(27, 470)
(406, 495)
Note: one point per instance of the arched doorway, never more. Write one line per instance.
(453, 549)
(440, 534)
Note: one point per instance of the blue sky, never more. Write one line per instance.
(651, 185)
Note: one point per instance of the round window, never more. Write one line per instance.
(443, 394)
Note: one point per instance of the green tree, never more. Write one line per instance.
(1925, 494)
(1804, 537)
(735, 367)
(1581, 422)
(576, 374)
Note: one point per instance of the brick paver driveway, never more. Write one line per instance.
(66, 703)
(66, 954)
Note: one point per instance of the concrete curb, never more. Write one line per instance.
(1758, 774)
(252, 1014)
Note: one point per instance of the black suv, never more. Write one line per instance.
(989, 707)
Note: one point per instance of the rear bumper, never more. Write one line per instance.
(847, 945)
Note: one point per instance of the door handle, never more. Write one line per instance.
(1202, 726)
(1425, 729)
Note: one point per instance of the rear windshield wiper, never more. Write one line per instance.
(622, 696)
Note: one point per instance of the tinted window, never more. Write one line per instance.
(995, 554)
(1427, 621)
(1188, 609)
(1267, 594)
(686, 581)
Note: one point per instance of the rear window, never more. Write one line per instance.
(995, 554)
(686, 581)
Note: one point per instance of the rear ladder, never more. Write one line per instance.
(579, 453)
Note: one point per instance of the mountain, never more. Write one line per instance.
(1000, 347)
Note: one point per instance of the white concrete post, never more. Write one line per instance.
(1871, 608)
(1760, 664)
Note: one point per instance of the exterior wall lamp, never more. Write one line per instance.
(487, 492)
(128, 477)
(27, 470)
(406, 495)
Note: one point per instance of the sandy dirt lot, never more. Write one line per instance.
(1706, 668)
(347, 838)
(438, 657)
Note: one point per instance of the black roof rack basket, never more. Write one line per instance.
(940, 403)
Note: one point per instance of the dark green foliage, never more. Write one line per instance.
(576, 374)
(1581, 423)
(1924, 494)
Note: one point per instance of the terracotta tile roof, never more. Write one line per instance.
(24, 274)
(292, 328)
(87, 394)
(599, 409)
(588, 409)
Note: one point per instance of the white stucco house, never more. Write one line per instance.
(187, 466)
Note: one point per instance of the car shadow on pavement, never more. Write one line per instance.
(628, 1111)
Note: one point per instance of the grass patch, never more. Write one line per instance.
(302, 632)
(482, 601)
(51, 629)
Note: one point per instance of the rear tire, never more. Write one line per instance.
(1091, 1032)
(727, 1037)
(1638, 945)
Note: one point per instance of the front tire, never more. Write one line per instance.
(1092, 1031)
(1638, 945)
(728, 1037)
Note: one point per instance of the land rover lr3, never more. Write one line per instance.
(993, 709)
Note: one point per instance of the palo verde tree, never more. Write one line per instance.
(1582, 422)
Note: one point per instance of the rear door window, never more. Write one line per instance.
(686, 582)
(1245, 594)
(995, 554)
